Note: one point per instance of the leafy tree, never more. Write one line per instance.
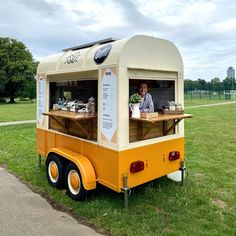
(29, 90)
(2, 79)
(2, 85)
(17, 66)
(215, 80)
(215, 84)
(188, 85)
(201, 84)
(229, 83)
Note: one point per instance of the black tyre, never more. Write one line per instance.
(55, 171)
(74, 184)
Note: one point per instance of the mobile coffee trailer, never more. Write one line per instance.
(110, 147)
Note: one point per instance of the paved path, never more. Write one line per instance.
(24, 213)
(211, 105)
(18, 122)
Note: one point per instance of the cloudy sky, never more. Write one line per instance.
(203, 30)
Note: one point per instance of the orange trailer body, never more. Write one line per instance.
(109, 147)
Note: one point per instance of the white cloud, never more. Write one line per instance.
(203, 30)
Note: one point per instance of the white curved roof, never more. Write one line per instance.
(143, 52)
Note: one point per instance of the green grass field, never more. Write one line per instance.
(206, 205)
(17, 111)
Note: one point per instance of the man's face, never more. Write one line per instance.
(143, 89)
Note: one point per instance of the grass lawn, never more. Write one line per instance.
(17, 111)
(206, 205)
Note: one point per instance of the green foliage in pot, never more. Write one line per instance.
(135, 98)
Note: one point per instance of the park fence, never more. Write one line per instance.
(210, 95)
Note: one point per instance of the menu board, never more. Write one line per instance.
(109, 104)
(41, 99)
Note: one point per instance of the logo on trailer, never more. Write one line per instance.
(102, 53)
(72, 58)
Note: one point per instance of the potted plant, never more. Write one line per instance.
(134, 102)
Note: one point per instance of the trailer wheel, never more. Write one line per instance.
(55, 171)
(74, 184)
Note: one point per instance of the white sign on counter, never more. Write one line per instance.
(41, 99)
(109, 104)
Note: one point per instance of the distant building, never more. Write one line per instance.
(231, 72)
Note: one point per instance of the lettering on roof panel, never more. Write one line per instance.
(72, 58)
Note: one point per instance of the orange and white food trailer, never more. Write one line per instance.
(108, 146)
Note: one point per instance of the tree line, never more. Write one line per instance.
(214, 85)
(17, 70)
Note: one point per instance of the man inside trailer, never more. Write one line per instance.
(158, 93)
(146, 104)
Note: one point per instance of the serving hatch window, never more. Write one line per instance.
(158, 93)
(73, 90)
(77, 101)
(161, 91)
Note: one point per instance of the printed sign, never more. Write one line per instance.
(109, 105)
(41, 99)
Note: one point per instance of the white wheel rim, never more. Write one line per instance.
(50, 166)
(69, 177)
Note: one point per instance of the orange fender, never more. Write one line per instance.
(84, 165)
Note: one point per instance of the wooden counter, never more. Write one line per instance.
(70, 115)
(163, 118)
(77, 124)
(147, 126)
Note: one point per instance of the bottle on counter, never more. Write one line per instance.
(91, 106)
(60, 104)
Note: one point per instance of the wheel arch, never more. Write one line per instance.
(84, 165)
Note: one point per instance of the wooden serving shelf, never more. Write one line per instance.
(78, 124)
(154, 127)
